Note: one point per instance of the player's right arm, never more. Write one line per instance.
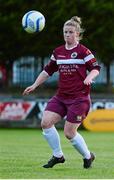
(43, 76)
(49, 69)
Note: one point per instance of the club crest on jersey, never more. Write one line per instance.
(79, 118)
(74, 55)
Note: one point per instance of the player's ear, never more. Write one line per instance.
(77, 34)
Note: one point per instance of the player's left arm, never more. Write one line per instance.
(92, 66)
(91, 76)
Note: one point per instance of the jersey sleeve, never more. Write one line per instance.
(90, 61)
(52, 66)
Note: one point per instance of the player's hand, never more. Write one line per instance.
(88, 81)
(29, 90)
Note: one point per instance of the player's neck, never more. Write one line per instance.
(71, 46)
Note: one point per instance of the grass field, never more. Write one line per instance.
(23, 152)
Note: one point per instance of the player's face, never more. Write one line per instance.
(70, 35)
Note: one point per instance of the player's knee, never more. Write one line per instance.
(44, 124)
(68, 135)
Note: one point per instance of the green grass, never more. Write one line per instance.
(23, 152)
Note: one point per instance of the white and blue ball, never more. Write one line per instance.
(33, 21)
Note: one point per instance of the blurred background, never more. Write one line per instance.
(23, 55)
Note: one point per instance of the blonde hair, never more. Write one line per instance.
(76, 22)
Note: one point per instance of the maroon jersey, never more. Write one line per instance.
(72, 65)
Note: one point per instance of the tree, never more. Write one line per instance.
(97, 17)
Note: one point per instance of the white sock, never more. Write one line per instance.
(80, 145)
(53, 139)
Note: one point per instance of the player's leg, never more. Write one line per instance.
(79, 143)
(76, 113)
(50, 133)
(76, 139)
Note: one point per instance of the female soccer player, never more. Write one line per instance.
(72, 60)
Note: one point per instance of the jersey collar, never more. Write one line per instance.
(71, 47)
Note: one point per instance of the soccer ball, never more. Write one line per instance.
(33, 21)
